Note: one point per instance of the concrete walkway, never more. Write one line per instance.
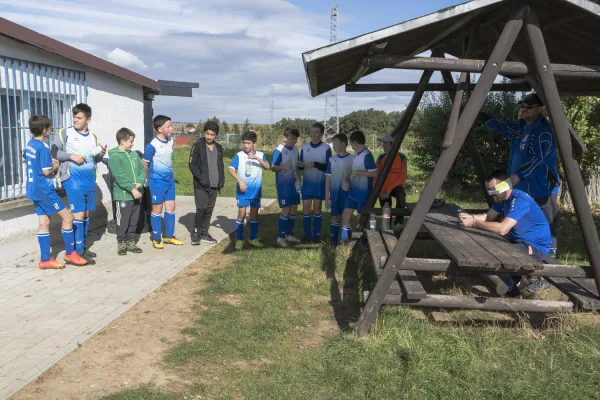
(44, 315)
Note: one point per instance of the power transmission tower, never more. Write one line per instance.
(332, 120)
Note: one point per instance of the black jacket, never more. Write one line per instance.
(199, 165)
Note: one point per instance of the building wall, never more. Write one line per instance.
(115, 103)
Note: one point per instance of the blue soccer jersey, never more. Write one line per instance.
(532, 226)
(339, 167)
(159, 156)
(82, 176)
(360, 186)
(285, 181)
(313, 184)
(251, 173)
(37, 156)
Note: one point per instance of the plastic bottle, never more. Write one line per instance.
(297, 182)
(92, 154)
(386, 220)
(248, 168)
(458, 212)
(372, 222)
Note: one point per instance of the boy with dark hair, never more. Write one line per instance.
(40, 189)
(158, 162)
(285, 166)
(360, 183)
(128, 177)
(339, 169)
(206, 165)
(79, 150)
(313, 160)
(393, 187)
(246, 168)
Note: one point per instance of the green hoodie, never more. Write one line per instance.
(126, 169)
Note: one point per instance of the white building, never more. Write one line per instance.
(40, 75)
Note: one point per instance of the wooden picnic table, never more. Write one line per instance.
(474, 248)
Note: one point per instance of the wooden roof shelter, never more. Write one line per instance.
(550, 46)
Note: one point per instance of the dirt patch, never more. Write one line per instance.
(234, 300)
(129, 351)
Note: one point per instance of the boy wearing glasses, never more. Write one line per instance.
(532, 159)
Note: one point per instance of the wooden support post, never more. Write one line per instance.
(489, 74)
(432, 87)
(538, 50)
(398, 133)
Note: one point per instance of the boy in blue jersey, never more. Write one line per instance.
(285, 166)
(158, 161)
(79, 150)
(522, 222)
(313, 160)
(339, 169)
(41, 168)
(246, 168)
(360, 183)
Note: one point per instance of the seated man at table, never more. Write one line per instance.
(393, 187)
(521, 221)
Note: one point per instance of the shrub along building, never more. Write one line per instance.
(549, 46)
(40, 75)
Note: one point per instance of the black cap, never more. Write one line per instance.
(532, 99)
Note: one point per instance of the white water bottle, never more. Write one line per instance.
(297, 182)
(386, 220)
(92, 154)
(372, 222)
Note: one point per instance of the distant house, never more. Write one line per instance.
(40, 75)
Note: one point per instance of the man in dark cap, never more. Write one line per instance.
(532, 159)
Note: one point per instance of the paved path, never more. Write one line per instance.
(44, 315)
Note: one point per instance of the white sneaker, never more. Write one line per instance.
(281, 242)
(292, 239)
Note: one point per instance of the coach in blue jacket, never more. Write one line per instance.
(532, 160)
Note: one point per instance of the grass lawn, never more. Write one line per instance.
(273, 325)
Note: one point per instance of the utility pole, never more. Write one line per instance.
(332, 120)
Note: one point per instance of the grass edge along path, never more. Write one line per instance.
(267, 330)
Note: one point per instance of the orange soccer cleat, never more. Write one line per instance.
(75, 259)
(51, 264)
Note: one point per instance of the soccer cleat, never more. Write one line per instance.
(122, 249)
(75, 259)
(255, 243)
(90, 260)
(88, 253)
(537, 286)
(281, 242)
(209, 239)
(158, 244)
(132, 247)
(239, 244)
(51, 264)
(195, 238)
(292, 239)
(173, 240)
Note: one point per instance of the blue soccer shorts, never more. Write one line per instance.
(337, 207)
(355, 204)
(161, 192)
(289, 201)
(80, 200)
(252, 203)
(50, 205)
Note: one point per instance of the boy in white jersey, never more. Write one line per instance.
(246, 168)
(79, 150)
(40, 189)
(285, 166)
(339, 169)
(158, 162)
(360, 183)
(313, 160)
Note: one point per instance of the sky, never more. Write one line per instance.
(245, 54)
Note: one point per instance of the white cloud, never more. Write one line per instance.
(125, 59)
(159, 65)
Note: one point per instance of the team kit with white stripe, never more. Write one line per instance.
(313, 185)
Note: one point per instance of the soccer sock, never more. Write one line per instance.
(306, 223)
(334, 232)
(291, 225)
(253, 229)
(169, 224)
(156, 222)
(44, 241)
(86, 228)
(283, 226)
(346, 234)
(239, 229)
(317, 226)
(69, 239)
(79, 228)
